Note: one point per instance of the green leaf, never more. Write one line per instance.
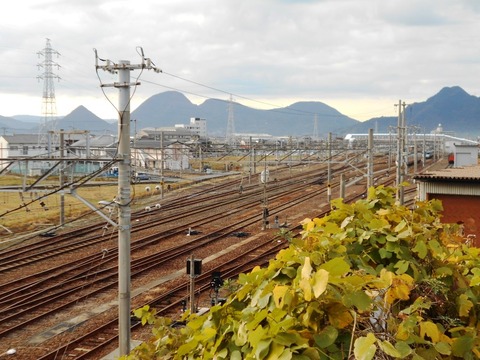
(443, 271)
(475, 280)
(326, 337)
(389, 349)
(462, 345)
(384, 253)
(358, 299)
(401, 266)
(336, 267)
(290, 272)
(443, 348)
(436, 248)
(262, 348)
(365, 348)
(236, 355)
(403, 349)
(255, 336)
(276, 351)
(421, 249)
(392, 238)
(286, 338)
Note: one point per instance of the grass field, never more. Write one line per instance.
(30, 211)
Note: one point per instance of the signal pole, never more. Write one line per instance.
(123, 68)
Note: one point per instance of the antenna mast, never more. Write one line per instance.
(49, 108)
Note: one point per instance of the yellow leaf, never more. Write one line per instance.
(279, 295)
(429, 329)
(320, 282)
(464, 305)
(365, 348)
(339, 316)
(306, 288)
(306, 269)
(399, 289)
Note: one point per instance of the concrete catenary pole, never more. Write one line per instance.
(399, 151)
(123, 68)
(124, 211)
(329, 168)
(370, 159)
(61, 178)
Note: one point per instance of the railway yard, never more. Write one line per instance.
(59, 293)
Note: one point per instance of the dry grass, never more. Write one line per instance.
(30, 211)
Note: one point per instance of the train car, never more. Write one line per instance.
(409, 159)
(451, 159)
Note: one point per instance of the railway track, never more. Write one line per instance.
(33, 297)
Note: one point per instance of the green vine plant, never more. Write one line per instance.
(371, 280)
(285, 234)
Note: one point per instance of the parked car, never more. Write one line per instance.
(141, 177)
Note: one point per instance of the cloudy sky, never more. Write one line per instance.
(358, 56)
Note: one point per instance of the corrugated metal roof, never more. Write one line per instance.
(465, 174)
(21, 138)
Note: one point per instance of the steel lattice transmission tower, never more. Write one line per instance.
(47, 136)
(230, 136)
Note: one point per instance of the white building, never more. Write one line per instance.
(197, 126)
(148, 154)
(16, 147)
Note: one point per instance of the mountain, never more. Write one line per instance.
(170, 108)
(453, 107)
(83, 119)
(11, 125)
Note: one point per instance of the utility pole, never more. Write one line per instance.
(400, 150)
(370, 159)
(123, 69)
(329, 168)
(61, 178)
(162, 165)
(230, 136)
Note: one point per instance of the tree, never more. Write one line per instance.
(371, 280)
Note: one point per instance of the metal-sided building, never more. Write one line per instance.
(459, 191)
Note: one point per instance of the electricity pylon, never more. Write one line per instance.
(47, 135)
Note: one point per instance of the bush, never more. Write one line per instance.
(372, 280)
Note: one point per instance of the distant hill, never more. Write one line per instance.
(452, 107)
(170, 108)
(9, 125)
(83, 119)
